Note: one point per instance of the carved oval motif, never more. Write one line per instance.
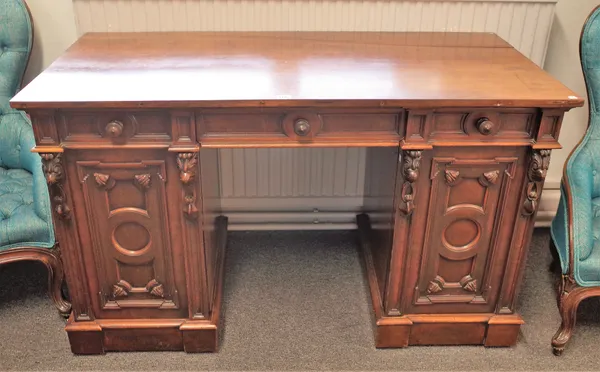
(131, 239)
(461, 234)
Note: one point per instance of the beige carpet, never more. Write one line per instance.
(297, 301)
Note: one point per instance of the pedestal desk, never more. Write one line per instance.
(459, 128)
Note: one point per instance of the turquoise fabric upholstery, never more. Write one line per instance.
(580, 186)
(25, 213)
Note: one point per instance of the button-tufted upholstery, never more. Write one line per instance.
(580, 190)
(25, 213)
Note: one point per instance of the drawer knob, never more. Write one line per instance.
(485, 126)
(301, 127)
(114, 129)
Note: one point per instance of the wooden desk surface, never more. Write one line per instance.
(176, 69)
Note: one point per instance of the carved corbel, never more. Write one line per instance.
(54, 174)
(410, 171)
(536, 173)
(52, 167)
(187, 163)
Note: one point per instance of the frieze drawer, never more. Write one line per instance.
(483, 126)
(114, 127)
(301, 127)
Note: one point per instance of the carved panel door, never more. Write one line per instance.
(463, 259)
(131, 243)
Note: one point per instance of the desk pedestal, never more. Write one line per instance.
(445, 226)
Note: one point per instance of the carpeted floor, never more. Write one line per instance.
(296, 300)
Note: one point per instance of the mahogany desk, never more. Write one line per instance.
(459, 129)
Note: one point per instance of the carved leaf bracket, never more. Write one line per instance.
(104, 180)
(142, 181)
(54, 173)
(538, 167)
(468, 283)
(451, 176)
(436, 285)
(121, 289)
(155, 288)
(410, 171)
(490, 178)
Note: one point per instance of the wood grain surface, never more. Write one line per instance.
(292, 69)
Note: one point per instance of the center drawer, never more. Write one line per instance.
(299, 127)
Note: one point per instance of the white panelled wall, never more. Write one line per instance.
(317, 188)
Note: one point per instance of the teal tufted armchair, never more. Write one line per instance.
(26, 230)
(576, 228)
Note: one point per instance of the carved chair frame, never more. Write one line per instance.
(49, 257)
(569, 293)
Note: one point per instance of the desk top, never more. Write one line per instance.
(262, 69)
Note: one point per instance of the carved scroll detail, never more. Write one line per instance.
(538, 167)
(410, 170)
(451, 176)
(436, 285)
(54, 173)
(187, 163)
(155, 288)
(468, 283)
(142, 181)
(489, 178)
(121, 289)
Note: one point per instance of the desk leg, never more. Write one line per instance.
(203, 335)
(391, 331)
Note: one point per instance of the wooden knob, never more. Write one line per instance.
(114, 129)
(301, 127)
(485, 126)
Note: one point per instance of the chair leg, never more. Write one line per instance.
(568, 313)
(55, 282)
(555, 264)
(570, 295)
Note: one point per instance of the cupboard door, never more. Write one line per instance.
(125, 203)
(472, 197)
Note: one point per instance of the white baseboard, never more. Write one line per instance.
(548, 205)
(295, 213)
(328, 213)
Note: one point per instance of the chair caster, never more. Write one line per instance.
(558, 351)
